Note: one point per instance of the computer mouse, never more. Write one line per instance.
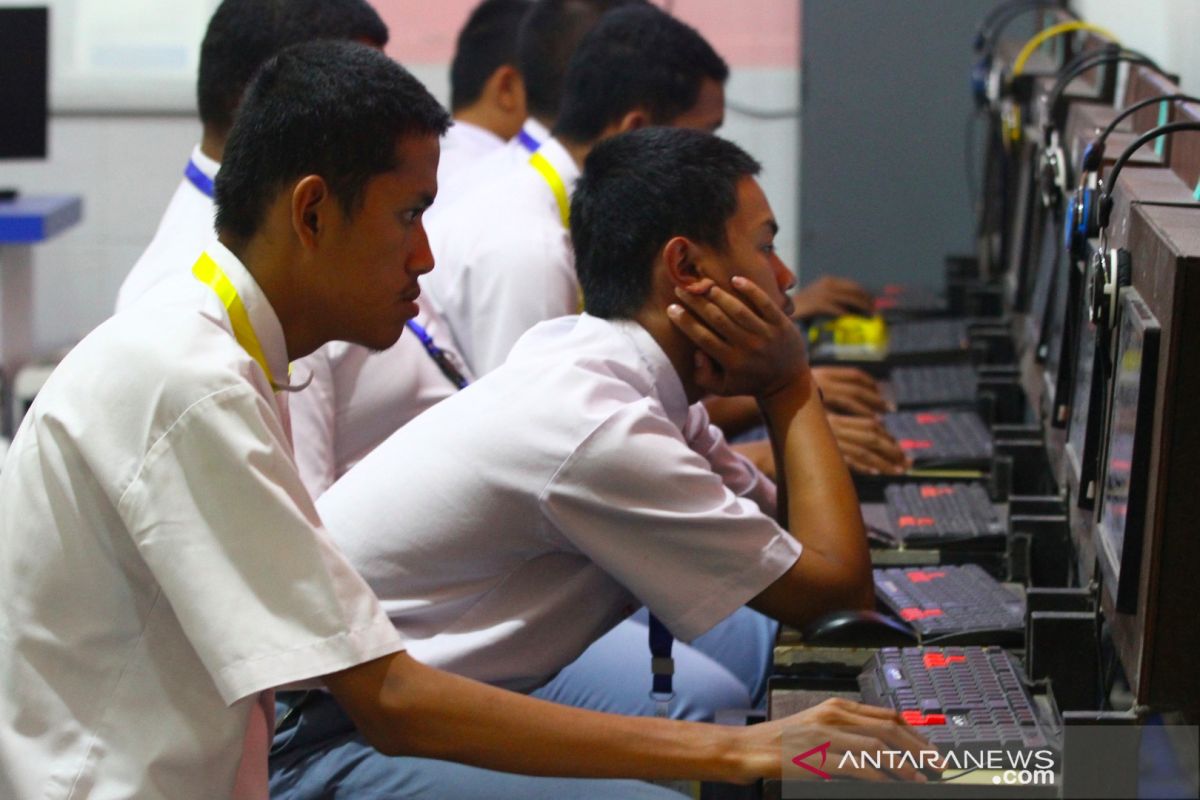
(859, 629)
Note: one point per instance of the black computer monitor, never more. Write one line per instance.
(1054, 322)
(1068, 317)
(1041, 271)
(1025, 214)
(1087, 405)
(1122, 513)
(24, 49)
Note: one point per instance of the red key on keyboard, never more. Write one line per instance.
(934, 660)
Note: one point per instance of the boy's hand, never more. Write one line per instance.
(747, 344)
(832, 297)
(867, 446)
(841, 726)
(849, 390)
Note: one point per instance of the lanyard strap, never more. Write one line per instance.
(211, 275)
(555, 182)
(662, 691)
(198, 179)
(527, 141)
(439, 356)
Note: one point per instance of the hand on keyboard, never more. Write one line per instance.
(838, 726)
(867, 446)
(850, 391)
(831, 297)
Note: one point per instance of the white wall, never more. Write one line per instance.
(1165, 30)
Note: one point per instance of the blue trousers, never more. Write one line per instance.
(318, 753)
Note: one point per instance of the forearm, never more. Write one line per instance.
(429, 713)
(733, 415)
(817, 500)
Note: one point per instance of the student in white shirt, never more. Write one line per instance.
(564, 488)
(547, 36)
(502, 245)
(357, 397)
(241, 35)
(163, 567)
(503, 252)
(487, 92)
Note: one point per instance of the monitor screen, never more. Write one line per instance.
(1024, 215)
(1123, 498)
(1050, 349)
(1087, 395)
(23, 82)
(1042, 271)
(1065, 326)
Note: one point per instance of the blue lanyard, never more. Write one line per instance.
(662, 666)
(439, 356)
(198, 179)
(528, 142)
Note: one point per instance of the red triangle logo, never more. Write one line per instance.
(823, 749)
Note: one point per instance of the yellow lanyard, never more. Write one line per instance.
(555, 182)
(211, 275)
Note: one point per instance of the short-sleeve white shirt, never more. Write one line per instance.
(183, 232)
(162, 563)
(462, 180)
(504, 258)
(462, 146)
(511, 525)
(358, 397)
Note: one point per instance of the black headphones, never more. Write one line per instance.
(1053, 177)
(988, 34)
(1109, 272)
(1082, 220)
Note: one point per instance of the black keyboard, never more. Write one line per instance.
(954, 384)
(929, 514)
(894, 299)
(941, 438)
(927, 337)
(953, 601)
(964, 698)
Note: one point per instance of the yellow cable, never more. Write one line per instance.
(1056, 30)
(1011, 124)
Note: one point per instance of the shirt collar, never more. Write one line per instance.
(474, 133)
(665, 381)
(537, 130)
(262, 317)
(204, 163)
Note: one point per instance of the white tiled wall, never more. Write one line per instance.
(125, 168)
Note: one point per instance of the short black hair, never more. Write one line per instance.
(639, 57)
(637, 191)
(243, 34)
(547, 39)
(335, 109)
(485, 44)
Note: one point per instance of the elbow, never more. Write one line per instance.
(852, 588)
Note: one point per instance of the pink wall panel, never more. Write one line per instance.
(748, 33)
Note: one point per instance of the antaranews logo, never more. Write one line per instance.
(823, 749)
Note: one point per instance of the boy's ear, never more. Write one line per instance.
(310, 203)
(679, 255)
(633, 120)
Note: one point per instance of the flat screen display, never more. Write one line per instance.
(1086, 406)
(1043, 270)
(23, 82)
(1127, 461)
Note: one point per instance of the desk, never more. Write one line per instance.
(25, 222)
